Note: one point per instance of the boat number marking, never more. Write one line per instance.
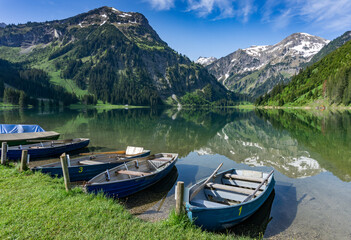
(240, 210)
(81, 170)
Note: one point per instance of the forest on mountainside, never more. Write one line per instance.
(329, 78)
(21, 85)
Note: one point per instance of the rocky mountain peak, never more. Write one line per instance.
(247, 70)
(2, 25)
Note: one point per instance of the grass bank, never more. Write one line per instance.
(35, 206)
(101, 105)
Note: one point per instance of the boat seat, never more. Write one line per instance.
(134, 173)
(206, 203)
(231, 188)
(244, 178)
(89, 162)
(225, 195)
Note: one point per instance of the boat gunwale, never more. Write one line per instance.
(103, 163)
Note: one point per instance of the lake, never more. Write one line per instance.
(309, 150)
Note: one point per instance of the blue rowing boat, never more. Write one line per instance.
(133, 176)
(228, 198)
(87, 167)
(47, 148)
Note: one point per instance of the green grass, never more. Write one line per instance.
(35, 206)
(102, 105)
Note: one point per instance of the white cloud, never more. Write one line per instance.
(326, 14)
(161, 4)
(222, 8)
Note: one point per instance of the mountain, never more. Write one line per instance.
(327, 81)
(2, 25)
(330, 47)
(205, 61)
(256, 70)
(114, 55)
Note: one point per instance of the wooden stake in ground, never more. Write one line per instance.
(3, 153)
(23, 166)
(64, 165)
(180, 196)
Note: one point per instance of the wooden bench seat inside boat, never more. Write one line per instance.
(89, 162)
(224, 196)
(134, 173)
(244, 178)
(231, 188)
(206, 203)
(242, 184)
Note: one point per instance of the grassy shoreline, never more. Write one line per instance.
(36, 206)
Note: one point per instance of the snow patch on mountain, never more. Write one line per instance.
(256, 50)
(205, 61)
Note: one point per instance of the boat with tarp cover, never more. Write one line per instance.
(86, 167)
(19, 134)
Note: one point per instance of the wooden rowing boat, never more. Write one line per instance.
(133, 176)
(86, 167)
(228, 199)
(47, 148)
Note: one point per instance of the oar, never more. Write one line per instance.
(198, 189)
(258, 187)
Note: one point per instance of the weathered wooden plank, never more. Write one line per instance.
(180, 196)
(3, 153)
(24, 157)
(226, 195)
(134, 173)
(64, 165)
(244, 178)
(231, 188)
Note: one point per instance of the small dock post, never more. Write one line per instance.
(3, 153)
(65, 172)
(179, 196)
(24, 158)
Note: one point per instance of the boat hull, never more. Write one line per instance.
(84, 172)
(14, 139)
(128, 187)
(220, 218)
(15, 154)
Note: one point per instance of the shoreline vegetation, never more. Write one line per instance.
(36, 206)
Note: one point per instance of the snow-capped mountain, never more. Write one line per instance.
(205, 61)
(257, 69)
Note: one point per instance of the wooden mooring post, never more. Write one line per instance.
(64, 165)
(24, 158)
(179, 198)
(3, 153)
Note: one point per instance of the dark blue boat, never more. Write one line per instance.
(133, 176)
(47, 148)
(87, 167)
(230, 198)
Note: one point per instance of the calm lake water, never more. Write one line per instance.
(310, 152)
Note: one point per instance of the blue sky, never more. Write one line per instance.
(205, 27)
